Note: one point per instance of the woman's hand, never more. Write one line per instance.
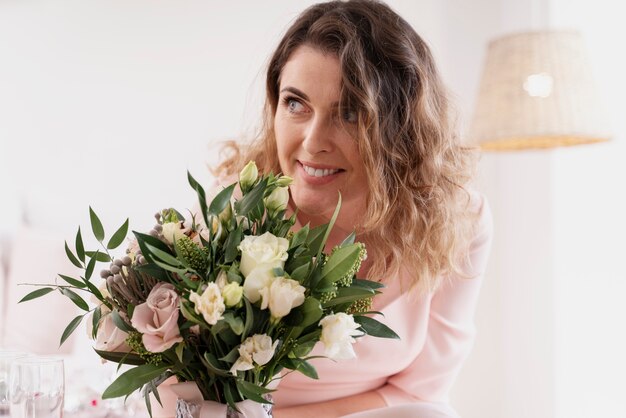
(335, 408)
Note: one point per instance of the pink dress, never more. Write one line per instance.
(436, 335)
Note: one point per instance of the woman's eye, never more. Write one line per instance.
(350, 116)
(294, 106)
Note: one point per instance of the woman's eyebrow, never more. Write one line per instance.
(296, 92)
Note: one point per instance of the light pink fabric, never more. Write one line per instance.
(36, 326)
(437, 334)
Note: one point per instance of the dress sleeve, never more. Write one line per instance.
(451, 330)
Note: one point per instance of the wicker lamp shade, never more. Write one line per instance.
(537, 92)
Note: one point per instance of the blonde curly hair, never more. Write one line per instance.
(417, 207)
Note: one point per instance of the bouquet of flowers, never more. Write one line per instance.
(228, 301)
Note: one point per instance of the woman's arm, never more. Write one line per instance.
(335, 408)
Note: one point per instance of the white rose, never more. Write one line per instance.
(338, 332)
(257, 279)
(281, 296)
(210, 304)
(172, 231)
(277, 200)
(265, 251)
(257, 349)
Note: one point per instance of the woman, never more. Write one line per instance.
(355, 105)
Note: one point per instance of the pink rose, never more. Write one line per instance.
(157, 319)
(110, 337)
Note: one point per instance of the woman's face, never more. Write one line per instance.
(313, 146)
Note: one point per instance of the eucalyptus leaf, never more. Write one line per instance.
(36, 294)
(118, 236)
(90, 266)
(80, 247)
(96, 225)
(73, 282)
(70, 328)
(78, 301)
(132, 380)
(72, 257)
(103, 257)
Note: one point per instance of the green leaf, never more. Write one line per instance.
(164, 256)
(70, 328)
(201, 197)
(316, 237)
(302, 366)
(299, 237)
(90, 266)
(119, 322)
(232, 356)
(73, 282)
(36, 294)
(122, 358)
(93, 289)
(96, 225)
(78, 301)
(302, 350)
(95, 321)
(103, 257)
(349, 294)
(228, 394)
(252, 391)
(330, 226)
(231, 244)
(367, 283)
(213, 365)
(144, 239)
(374, 328)
(80, 247)
(300, 273)
(340, 262)
(221, 200)
(249, 320)
(348, 240)
(311, 311)
(118, 236)
(72, 257)
(234, 322)
(180, 348)
(132, 380)
(251, 199)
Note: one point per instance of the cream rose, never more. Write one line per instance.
(265, 251)
(258, 279)
(281, 296)
(109, 337)
(210, 304)
(257, 349)
(157, 318)
(338, 332)
(173, 231)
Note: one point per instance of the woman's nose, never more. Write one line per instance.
(320, 136)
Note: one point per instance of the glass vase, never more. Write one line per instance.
(186, 409)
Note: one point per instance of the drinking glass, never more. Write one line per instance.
(37, 387)
(7, 357)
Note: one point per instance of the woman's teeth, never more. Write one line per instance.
(319, 172)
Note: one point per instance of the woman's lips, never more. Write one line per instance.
(314, 180)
